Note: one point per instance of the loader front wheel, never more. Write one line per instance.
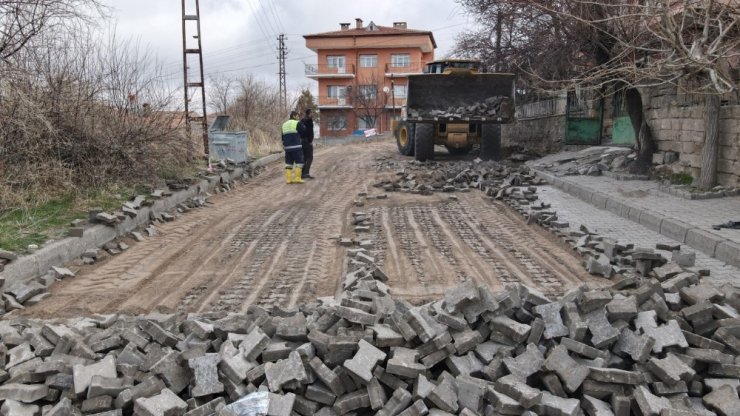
(424, 142)
(490, 142)
(405, 138)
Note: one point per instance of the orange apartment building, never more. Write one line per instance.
(362, 74)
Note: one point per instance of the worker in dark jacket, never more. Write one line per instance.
(293, 150)
(306, 131)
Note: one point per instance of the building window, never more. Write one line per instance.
(336, 91)
(334, 123)
(368, 61)
(368, 92)
(335, 61)
(400, 60)
(365, 123)
(399, 91)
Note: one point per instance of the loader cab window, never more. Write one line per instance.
(439, 67)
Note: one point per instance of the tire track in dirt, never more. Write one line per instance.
(264, 242)
(270, 244)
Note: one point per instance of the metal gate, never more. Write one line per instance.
(583, 118)
(622, 131)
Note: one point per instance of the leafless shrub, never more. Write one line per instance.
(252, 106)
(76, 114)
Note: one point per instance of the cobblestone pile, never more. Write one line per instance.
(487, 108)
(592, 161)
(664, 345)
(429, 177)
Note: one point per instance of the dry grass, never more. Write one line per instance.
(262, 144)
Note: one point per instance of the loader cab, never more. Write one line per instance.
(446, 66)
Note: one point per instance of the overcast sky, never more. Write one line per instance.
(239, 36)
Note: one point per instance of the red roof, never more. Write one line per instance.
(379, 31)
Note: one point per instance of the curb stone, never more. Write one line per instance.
(703, 240)
(63, 250)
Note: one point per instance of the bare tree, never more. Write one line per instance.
(220, 92)
(600, 43)
(369, 100)
(21, 21)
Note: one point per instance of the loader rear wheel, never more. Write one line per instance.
(405, 138)
(490, 142)
(459, 150)
(424, 142)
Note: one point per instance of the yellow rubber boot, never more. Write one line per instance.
(298, 171)
(288, 175)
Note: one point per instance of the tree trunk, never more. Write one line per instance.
(645, 143)
(710, 153)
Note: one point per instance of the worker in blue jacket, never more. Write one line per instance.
(293, 150)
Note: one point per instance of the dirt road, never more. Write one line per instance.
(268, 243)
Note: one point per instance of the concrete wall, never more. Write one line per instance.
(678, 126)
(539, 135)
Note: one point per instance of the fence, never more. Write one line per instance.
(545, 108)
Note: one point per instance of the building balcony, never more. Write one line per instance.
(396, 103)
(326, 102)
(402, 71)
(317, 71)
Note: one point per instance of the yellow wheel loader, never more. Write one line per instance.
(453, 104)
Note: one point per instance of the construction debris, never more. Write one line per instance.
(655, 347)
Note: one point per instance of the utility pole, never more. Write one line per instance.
(282, 53)
(198, 82)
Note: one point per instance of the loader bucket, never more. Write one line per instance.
(460, 95)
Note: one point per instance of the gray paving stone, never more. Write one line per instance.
(670, 369)
(364, 361)
(166, 403)
(14, 408)
(444, 395)
(83, 374)
(650, 404)
(596, 407)
(572, 373)
(511, 328)
(554, 405)
(526, 363)
(638, 347)
(24, 393)
(518, 390)
(550, 314)
(666, 335)
(175, 376)
(285, 371)
(205, 375)
(603, 334)
(404, 363)
(253, 345)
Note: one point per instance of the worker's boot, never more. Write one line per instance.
(288, 175)
(297, 177)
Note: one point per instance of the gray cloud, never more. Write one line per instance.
(239, 35)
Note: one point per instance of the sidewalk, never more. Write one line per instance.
(685, 221)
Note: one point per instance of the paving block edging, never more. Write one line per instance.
(63, 250)
(699, 239)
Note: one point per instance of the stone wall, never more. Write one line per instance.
(538, 135)
(678, 126)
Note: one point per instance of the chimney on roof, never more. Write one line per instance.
(359, 23)
(344, 26)
(399, 25)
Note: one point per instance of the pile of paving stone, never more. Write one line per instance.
(593, 161)
(487, 108)
(639, 347)
(428, 177)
